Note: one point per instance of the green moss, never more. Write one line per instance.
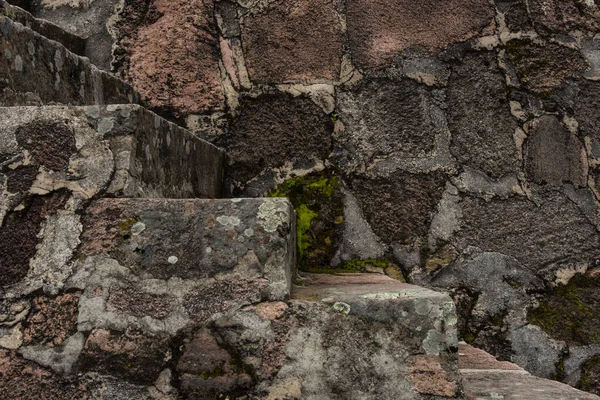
(469, 337)
(360, 265)
(319, 212)
(334, 116)
(304, 218)
(560, 371)
(590, 376)
(570, 312)
(498, 320)
(211, 373)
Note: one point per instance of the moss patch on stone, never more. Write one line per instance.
(318, 202)
(590, 376)
(570, 312)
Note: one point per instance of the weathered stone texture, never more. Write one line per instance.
(379, 30)
(51, 320)
(399, 208)
(293, 40)
(563, 16)
(21, 379)
(273, 129)
(586, 109)
(515, 14)
(170, 54)
(91, 20)
(132, 355)
(547, 237)
(542, 68)
(35, 70)
(554, 156)
(73, 42)
(479, 116)
(383, 117)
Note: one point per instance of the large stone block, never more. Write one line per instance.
(379, 30)
(169, 50)
(479, 116)
(35, 70)
(553, 155)
(548, 238)
(295, 40)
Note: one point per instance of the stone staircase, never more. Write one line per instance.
(124, 275)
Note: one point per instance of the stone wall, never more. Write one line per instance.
(456, 143)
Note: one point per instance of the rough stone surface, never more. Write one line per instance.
(383, 118)
(479, 116)
(92, 20)
(21, 379)
(399, 208)
(556, 16)
(379, 30)
(545, 238)
(73, 42)
(543, 68)
(293, 40)
(486, 378)
(197, 239)
(51, 320)
(35, 70)
(488, 313)
(553, 155)
(132, 355)
(586, 108)
(169, 51)
(273, 129)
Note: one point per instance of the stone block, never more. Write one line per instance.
(379, 30)
(299, 40)
(164, 264)
(169, 50)
(35, 70)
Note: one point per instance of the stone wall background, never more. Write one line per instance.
(455, 143)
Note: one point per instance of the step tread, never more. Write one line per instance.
(484, 377)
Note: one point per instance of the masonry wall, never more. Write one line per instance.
(454, 144)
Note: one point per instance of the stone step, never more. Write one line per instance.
(135, 288)
(73, 43)
(35, 70)
(55, 159)
(419, 321)
(102, 151)
(484, 377)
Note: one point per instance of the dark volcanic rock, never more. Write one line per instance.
(515, 14)
(554, 156)
(273, 129)
(546, 237)
(51, 143)
(25, 380)
(131, 355)
(51, 320)
(379, 30)
(399, 208)
(542, 68)
(479, 116)
(293, 40)
(586, 108)
(383, 117)
(207, 370)
(563, 16)
(169, 51)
